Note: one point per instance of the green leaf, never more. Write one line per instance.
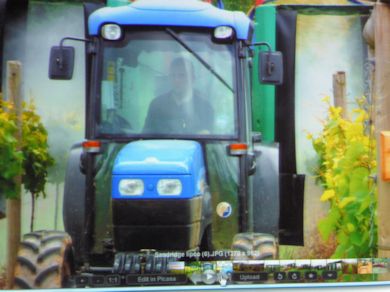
(351, 227)
(355, 151)
(342, 236)
(356, 238)
(350, 252)
(340, 252)
(365, 204)
(358, 181)
(343, 185)
(345, 201)
(328, 225)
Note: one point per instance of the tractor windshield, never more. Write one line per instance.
(167, 84)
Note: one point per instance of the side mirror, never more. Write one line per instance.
(271, 68)
(61, 63)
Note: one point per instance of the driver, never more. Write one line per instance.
(181, 110)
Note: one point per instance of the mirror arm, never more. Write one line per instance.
(270, 66)
(261, 44)
(60, 59)
(73, 39)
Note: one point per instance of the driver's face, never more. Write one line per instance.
(181, 78)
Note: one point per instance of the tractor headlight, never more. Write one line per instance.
(169, 187)
(111, 32)
(224, 33)
(131, 187)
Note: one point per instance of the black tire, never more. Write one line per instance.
(44, 260)
(254, 246)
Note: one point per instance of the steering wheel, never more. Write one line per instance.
(117, 124)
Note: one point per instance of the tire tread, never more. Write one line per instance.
(255, 246)
(20, 283)
(27, 262)
(41, 260)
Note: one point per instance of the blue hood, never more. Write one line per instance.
(159, 157)
(154, 160)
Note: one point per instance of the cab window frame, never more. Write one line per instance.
(127, 31)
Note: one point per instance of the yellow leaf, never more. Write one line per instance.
(344, 202)
(362, 117)
(335, 112)
(329, 179)
(326, 99)
(328, 194)
(361, 101)
(351, 228)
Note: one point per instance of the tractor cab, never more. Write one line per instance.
(162, 88)
(169, 161)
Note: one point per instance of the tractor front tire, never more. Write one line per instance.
(254, 246)
(44, 260)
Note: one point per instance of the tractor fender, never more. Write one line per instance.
(74, 199)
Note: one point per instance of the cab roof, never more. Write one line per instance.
(184, 13)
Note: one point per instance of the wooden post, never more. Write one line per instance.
(340, 92)
(14, 205)
(382, 117)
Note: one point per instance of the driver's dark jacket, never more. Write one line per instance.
(166, 116)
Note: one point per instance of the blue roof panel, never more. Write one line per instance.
(190, 13)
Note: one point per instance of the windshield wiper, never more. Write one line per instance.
(197, 56)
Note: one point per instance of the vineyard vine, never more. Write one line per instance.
(347, 169)
(31, 158)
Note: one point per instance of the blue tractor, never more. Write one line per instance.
(170, 169)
